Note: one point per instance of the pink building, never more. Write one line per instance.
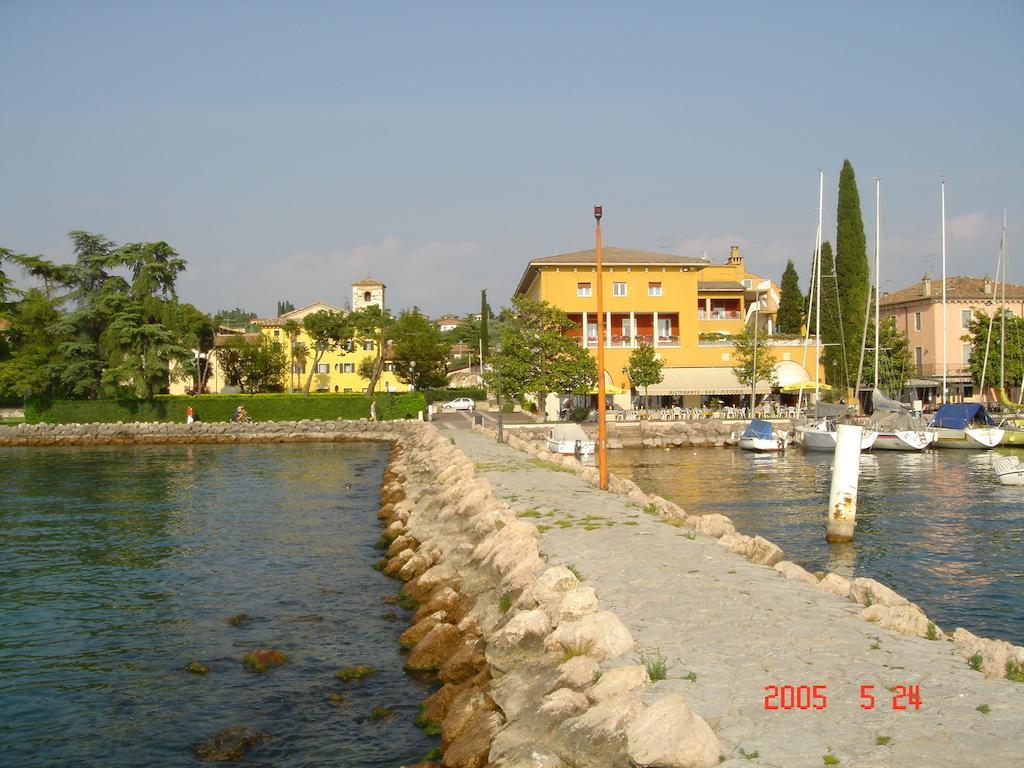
(918, 313)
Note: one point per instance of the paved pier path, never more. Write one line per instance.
(740, 627)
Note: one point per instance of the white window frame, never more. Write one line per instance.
(654, 289)
(322, 368)
(967, 354)
(664, 324)
(965, 318)
(619, 289)
(917, 321)
(348, 367)
(584, 290)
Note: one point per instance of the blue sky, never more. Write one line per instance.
(287, 149)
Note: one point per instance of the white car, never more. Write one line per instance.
(460, 404)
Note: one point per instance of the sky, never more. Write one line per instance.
(286, 150)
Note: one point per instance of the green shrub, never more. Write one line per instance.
(270, 407)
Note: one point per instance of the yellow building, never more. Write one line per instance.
(338, 369)
(684, 307)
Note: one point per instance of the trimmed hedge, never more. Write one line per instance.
(271, 407)
(447, 395)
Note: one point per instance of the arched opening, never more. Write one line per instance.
(367, 296)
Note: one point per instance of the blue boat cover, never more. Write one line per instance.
(759, 428)
(960, 415)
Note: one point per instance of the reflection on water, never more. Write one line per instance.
(121, 565)
(935, 526)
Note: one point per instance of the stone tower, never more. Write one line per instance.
(366, 293)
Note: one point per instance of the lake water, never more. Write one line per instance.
(934, 526)
(120, 565)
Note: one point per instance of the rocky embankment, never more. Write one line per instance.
(708, 433)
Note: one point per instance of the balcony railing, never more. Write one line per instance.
(719, 314)
(622, 341)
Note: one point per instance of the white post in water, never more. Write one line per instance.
(842, 499)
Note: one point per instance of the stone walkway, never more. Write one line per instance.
(729, 628)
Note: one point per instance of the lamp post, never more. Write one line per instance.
(602, 427)
(497, 370)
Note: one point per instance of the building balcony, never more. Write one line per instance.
(632, 342)
(719, 314)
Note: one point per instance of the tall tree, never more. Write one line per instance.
(284, 307)
(978, 337)
(326, 330)
(420, 353)
(537, 357)
(30, 346)
(791, 302)
(375, 326)
(852, 274)
(644, 368)
(256, 367)
(485, 341)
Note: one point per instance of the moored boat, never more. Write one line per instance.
(821, 436)
(570, 440)
(1008, 470)
(760, 435)
(966, 426)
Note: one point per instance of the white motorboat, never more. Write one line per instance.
(966, 426)
(760, 435)
(1008, 470)
(570, 440)
(904, 440)
(821, 436)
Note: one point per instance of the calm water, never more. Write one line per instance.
(935, 526)
(121, 565)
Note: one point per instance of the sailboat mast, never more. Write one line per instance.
(878, 282)
(945, 358)
(817, 303)
(1002, 309)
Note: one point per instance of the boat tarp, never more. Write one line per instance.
(759, 428)
(881, 403)
(568, 433)
(961, 415)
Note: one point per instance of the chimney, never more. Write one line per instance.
(734, 256)
(926, 286)
(986, 287)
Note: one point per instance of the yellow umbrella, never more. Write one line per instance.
(805, 385)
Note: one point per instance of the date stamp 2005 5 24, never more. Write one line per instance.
(788, 697)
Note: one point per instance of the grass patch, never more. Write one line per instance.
(564, 523)
(975, 662)
(1014, 671)
(749, 755)
(434, 755)
(505, 602)
(675, 522)
(597, 676)
(631, 522)
(875, 646)
(543, 528)
(690, 535)
(830, 760)
(882, 740)
(691, 676)
(575, 571)
(651, 509)
(869, 600)
(548, 465)
(932, 633)
(530, 513)
(655, 664)
(590, 527)
(984, 708)
(576, 649)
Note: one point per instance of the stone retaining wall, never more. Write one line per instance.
(712, 433)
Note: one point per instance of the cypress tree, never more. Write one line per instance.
(484, 312)
(791, 302)
(851, 265)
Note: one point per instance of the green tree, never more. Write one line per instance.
(538, 358)
(372, 324)
(644, 368)
(894, 361)
(791, 302)
(831, 328)
(753, 360)
(326, 330)
(234, 318)
(256, 367)
(978, 337)
(30, 346)
(485, 340)
(284, 307)
(852, 275)
(196, 331)
(419, 352)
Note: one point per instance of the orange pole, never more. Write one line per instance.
(602, 425)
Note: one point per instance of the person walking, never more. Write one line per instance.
(189, 415)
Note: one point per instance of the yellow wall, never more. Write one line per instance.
(333, 359)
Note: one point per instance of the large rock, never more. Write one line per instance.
(563, 703)
(549, 587)
(576, 604)
(421, 628)
(471, 747)
(793, 571)
(835, 584)
(434, 649)
(619, 681)
(597, 738)
(466, 661)
(715, 525)
(668, 735)
(601, 635)
(522, 636)
(994, 654)
(464, 707)
(905, 619)
(578, 672)
(764, 552)
(870, 592)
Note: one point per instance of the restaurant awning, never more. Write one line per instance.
(703, 381)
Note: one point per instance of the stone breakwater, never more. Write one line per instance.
(708, 433)
(881, 605)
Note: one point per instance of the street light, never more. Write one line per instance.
(602, 427)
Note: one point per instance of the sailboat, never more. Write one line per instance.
(897, 428)
(959, 425)
(761, 435)
(821, 435)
